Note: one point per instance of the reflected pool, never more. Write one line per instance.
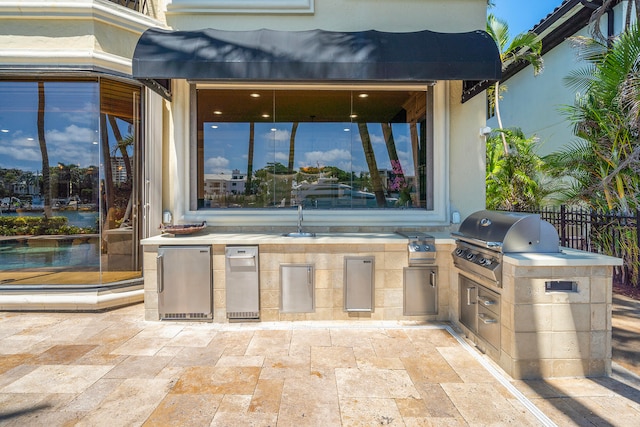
(50, 251)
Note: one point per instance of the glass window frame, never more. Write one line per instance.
(437, 104)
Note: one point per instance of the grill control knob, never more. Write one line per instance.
(471, 256)
(459, 252)
(484, 262)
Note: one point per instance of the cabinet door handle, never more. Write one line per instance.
(309, 275)
(469, 300)
(432, 279)
(486, 319)
(160, 265)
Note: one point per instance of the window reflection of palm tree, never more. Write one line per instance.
(376, 182)
(292, 141)
(247, 190)
(43, 150)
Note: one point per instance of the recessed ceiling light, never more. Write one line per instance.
(363, 95)
(266, 116)
(255, 95)
(353, 116)
(217, 112)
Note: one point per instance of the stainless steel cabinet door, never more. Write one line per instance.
(185, 282)
(297, 288)
(468, 303)
(420, 291)
(358, 283)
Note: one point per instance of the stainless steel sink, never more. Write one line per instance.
(299, 234)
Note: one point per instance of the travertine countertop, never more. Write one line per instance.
(204, 238)
(566, 257)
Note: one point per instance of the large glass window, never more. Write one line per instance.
(68, 187)
(323, 149)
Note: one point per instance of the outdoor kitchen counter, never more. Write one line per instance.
(278, 238)
(385, 253)
(566, 257)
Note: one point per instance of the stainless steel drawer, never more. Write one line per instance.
(489, 326)
(489, 300)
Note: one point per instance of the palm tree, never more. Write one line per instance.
(524, 47)
(514, 182)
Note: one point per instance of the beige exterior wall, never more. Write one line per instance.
(79, 34)
(458, 144)
(339, 15)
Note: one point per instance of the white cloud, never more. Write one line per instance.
(217, 164)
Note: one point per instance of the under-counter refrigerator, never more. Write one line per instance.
(185, 282)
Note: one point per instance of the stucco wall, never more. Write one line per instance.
(456, 125)
(467, 152)
(83, 34)
(340, 15)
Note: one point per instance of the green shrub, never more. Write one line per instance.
(32, 225)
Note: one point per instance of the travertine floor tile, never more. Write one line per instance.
(139, 367)
(253, 419)
(256, 361)
(365, 412)
(116, 369)
(231, 343)
(303, 340)
(218, 380)
(437, 402)
(309, 401)
(275, 367)
(57, 379)
(467, 368)
(482, 404)
(185, 409)
(432, 368)
(129, 404)
(326, 359)
(267, 396)
(374, 383)
(141, 346)
(62, 354)
(268, 343)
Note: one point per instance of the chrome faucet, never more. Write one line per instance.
(300, 218)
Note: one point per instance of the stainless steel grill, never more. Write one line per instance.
(484, 236)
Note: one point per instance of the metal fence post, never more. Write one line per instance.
(563, 231)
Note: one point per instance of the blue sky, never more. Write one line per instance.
(522, 15)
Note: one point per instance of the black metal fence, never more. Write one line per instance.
(611, 234)
(137, 5)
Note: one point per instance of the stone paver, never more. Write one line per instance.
(115, 369)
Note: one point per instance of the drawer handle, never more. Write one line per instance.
(487, 319)
(240, 256)
(486, 301)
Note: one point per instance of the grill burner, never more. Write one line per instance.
(485, 236)
(421, 248)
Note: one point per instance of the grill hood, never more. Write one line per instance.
(509, 232)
